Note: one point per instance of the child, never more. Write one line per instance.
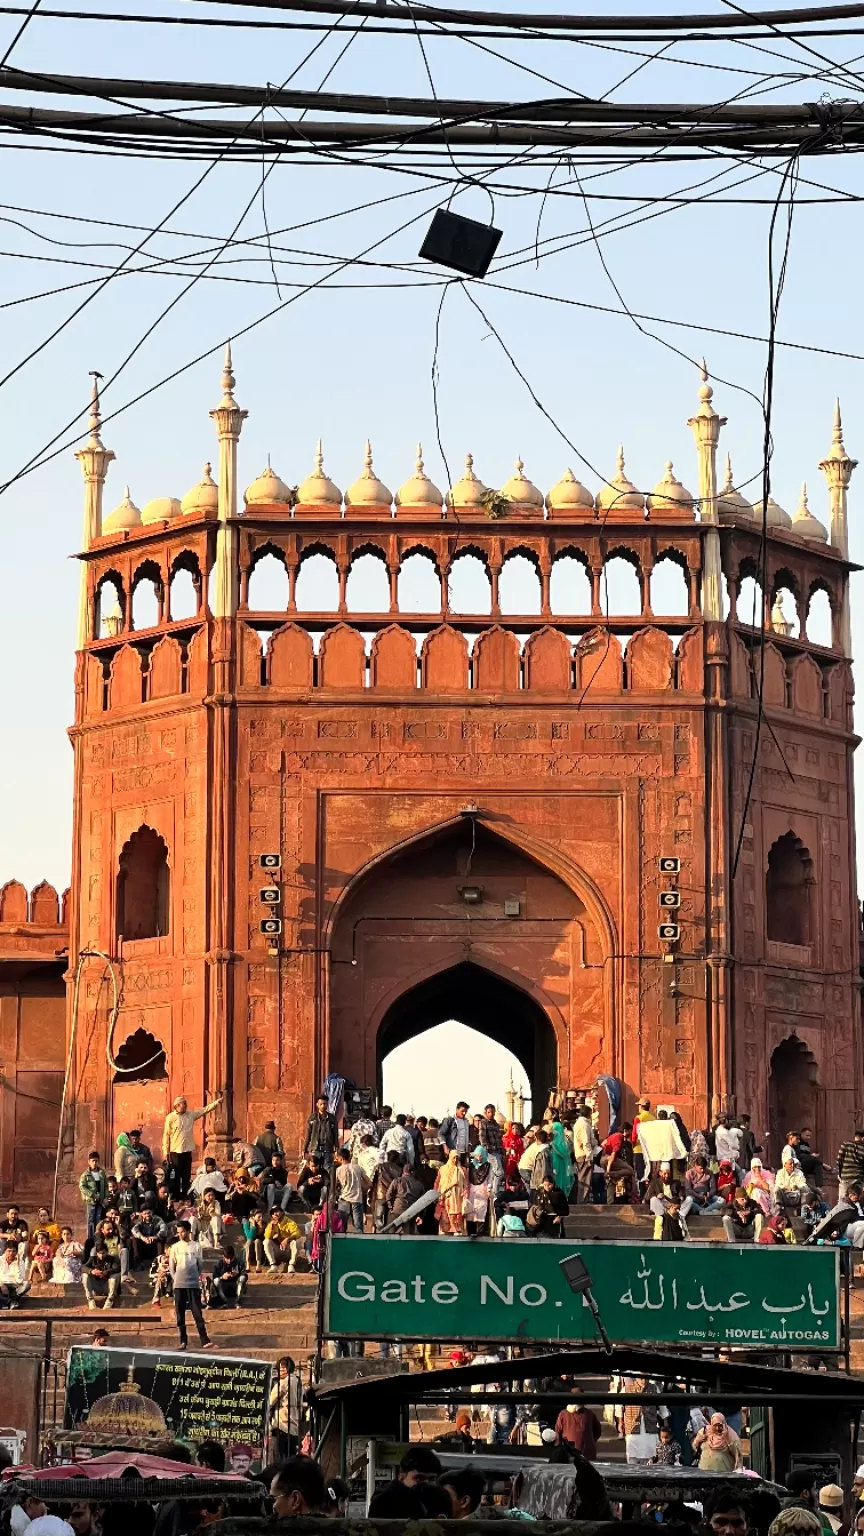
(127, 1197)
(254, 1229)
(160, 1274)
(41, 1257)
(668, 1452)
(67, 1260)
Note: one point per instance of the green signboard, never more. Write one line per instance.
(649, 1293)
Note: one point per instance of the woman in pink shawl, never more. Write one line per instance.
(321, 1225)
(514, 1146)
(759, 1184)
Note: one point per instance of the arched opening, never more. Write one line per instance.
(470, 588)
(620, 592)
(784, 612)
(820, 620)
(463, 925)
(317, 587)
(146, 603)
(417, 1076)
(143, 887)
(495, 1011)
(109, 609)
(519, 586)
(368, 586)
(570, 586)
(141, 1058)
(793, 1091)
(789, 891)
(268, 585)
(139, 1092)
(183, 595)
(418, 587)
(670, 596)
(748, 609)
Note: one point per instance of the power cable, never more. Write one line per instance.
(100, 288)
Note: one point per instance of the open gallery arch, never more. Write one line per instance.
(463, 924)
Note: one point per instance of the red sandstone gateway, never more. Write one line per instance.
(468, 820)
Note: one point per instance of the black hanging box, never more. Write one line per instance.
(463, 244)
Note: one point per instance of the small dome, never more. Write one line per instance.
(162, 509)
(806, 524)
(469, 491)
(125, 516)
(620, 495)
(776, 517)
(317, 490)
(419, 490)
(203, 497)
(669, 495)
(268, 491)
(730, 503)
(127, 1412)
(569, 493)
(520, 490)
(368, 490)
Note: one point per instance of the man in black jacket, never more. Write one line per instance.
(321, 1134)
(101, 1276)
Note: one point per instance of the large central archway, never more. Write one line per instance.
(463, 923)
(494, 1007)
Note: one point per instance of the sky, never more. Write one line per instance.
(485, 1072)
(346, 366)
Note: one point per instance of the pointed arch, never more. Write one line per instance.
(44, 905)
(394, 659)
(143, 886)
(444, 661)
(13, 902)
(496, 661)
(291, 659)
(548, 662)
(342, 659)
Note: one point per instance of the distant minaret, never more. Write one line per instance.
(229, 419)
(837, 468)
(706, 426)
(94, 459)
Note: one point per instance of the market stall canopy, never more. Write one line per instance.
(133, 1475)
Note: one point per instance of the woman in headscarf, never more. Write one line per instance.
(717, 1446)
(514, 1146)
(477, 1198)
(125, 1159)
(759, 1184)
(451, 1184)
(727, 1182)
(562, 1159)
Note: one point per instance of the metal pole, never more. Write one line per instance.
(370, 1472)
(846, 1269)
(343, 1440)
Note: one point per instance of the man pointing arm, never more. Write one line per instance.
(178, 1141)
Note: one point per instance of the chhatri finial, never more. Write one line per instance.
(804, 505)
(619, 462)
(319, 458)
(228, 379)
(418, 463)
(838, 424)
(730, 483)
(95, 411)
(367, 460)
(706, 393)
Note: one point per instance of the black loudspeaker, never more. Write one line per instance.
(463, 244)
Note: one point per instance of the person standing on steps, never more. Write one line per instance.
(185, 1265)
(178, 1141)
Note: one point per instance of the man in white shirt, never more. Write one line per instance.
(529, 1156)
(727, 1140)
(585, 1145)
(397, 1139)
(178, 1141)
(185, 1265)
(349, 1187)
(208, 1177)
(13, 1284)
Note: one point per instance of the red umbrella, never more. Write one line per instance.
(116, 1464)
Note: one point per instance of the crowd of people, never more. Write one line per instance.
(194, 1236)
